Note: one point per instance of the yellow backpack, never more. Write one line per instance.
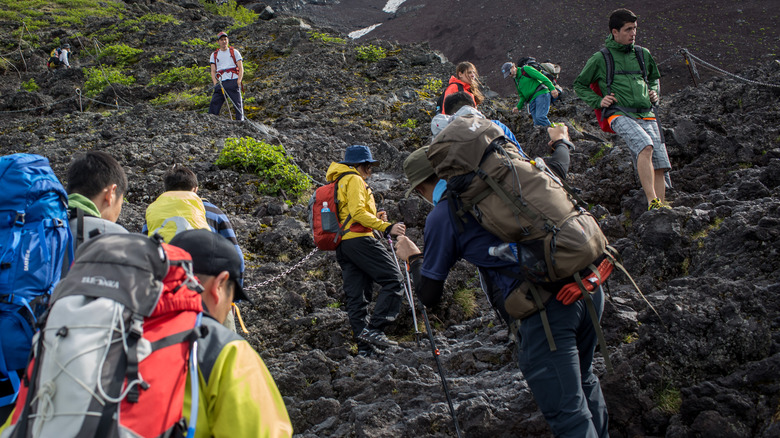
(174, 212)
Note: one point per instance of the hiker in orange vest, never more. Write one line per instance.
(227, 74)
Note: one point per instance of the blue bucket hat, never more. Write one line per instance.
(357, 154)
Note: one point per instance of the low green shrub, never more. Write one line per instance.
(195, 42)
(122, 55)
(183, 100)
(193, 76)
(241, 16)
(270, 162)
(370, 53)
(319, 36)
(97, 80)
(31, 85)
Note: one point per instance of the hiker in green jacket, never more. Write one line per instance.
(628, 103)
(534, 88)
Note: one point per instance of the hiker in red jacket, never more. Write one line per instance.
(466, 79)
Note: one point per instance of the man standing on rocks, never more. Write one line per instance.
(628, 103)
(227, 72)
(362, 257)
(562, 381)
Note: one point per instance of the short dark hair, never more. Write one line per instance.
(93, 171)
(620, 17)
(180, 178)
(456, 101)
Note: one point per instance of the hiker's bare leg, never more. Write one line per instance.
(660, 185)
(644, 167)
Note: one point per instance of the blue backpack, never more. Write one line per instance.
(34, 235)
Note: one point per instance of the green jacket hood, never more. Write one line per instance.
(77, 200)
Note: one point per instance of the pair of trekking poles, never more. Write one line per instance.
(436, 353)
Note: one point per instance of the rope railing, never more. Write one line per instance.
(690, 56)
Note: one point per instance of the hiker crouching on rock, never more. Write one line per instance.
(533, 88)
(237, 395)
(363, 258)
(562, 381)
(227, 74)
(628, 103)
(181, 197)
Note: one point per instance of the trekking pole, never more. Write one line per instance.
(241, 102)
(225, 95)
(436, 354)
(407, 290)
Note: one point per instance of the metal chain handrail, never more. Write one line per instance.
(685, 52)
(283, 274)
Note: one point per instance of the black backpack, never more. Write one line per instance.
(533, 63)
(440, 100)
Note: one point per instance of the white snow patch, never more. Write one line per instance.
(392, 6)
(355, 34)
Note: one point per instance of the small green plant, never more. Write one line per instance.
(630, 338)
(195, 42)
(669, 400)
(270, 162)
(97, 80)
(335, 305)
(30, 85)
(193, 76)
(409, 123)
(370, 53)
(603, 150)
(121, 54)
(319, 36)
(466, 300)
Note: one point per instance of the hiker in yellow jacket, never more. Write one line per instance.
(363, 259)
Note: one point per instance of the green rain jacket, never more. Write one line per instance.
(630, 90)
(528, 86)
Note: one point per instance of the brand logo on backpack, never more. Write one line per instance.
(100, 281)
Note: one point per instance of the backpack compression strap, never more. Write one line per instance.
(610, 76)
(227, 70)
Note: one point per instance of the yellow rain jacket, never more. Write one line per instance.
(174, 212)
(355, 200)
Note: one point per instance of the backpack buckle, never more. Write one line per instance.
(19, 221)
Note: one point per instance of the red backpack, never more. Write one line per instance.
(112, 357)
(324, 216)
(232, 55)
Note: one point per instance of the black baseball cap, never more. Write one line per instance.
(211, 254)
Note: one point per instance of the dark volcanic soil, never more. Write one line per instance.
(732, 35)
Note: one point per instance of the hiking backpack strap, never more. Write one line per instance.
(543, 315)
(614, 257)
(610, 77)
(343, 228)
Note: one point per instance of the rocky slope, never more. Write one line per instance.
(709, 365)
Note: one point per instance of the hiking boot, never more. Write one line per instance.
(657, 204)
(376, 338)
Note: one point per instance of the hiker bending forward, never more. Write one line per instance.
(627, 104)
(562, 381)
(363, 259)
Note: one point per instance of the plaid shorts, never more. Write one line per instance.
(638, 134)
